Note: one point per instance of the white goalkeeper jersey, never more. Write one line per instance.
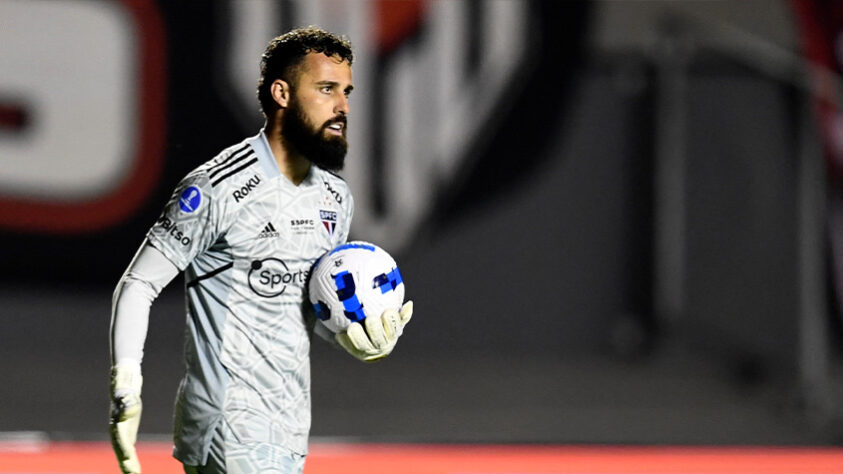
(246, 238)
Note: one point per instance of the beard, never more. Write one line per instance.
(325, 152)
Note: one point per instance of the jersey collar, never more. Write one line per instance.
(261, 146)
(267, 160)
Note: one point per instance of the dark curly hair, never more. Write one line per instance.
(285, 53)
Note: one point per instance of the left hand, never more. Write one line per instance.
(379, 337)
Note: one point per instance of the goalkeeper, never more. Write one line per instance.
(241, 229)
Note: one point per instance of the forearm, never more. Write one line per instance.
(148, 273)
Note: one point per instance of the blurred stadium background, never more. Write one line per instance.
(621, 221)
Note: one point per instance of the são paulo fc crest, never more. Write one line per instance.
(329, 220)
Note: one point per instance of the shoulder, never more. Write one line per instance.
(231, 163)
(232, 169)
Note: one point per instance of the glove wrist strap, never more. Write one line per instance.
(126, 377)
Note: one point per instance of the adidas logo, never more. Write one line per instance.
(268, 232)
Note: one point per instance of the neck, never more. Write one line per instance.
(291, 164)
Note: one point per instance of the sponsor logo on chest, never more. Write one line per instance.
(245, 189)
(270, 277)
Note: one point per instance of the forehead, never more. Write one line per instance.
(317, 67)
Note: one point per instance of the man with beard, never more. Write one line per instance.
(246, 227)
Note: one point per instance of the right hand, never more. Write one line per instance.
(126, 409)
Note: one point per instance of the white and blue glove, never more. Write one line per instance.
(380, 335)
(126, 407)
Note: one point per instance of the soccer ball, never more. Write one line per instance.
(352, 282)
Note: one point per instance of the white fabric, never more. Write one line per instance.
(149, 272)
(246, 237)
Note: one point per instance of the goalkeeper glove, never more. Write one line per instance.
(380, 335)
(126, 384)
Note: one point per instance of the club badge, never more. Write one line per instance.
(329, 220)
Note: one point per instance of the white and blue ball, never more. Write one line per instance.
(352, 282)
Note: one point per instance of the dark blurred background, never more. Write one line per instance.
(619, 220)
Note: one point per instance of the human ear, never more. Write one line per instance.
(280, 91)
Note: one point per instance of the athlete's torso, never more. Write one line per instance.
(246, 238)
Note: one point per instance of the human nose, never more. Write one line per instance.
(342, 106)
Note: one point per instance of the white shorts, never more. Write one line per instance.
(227, 456)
